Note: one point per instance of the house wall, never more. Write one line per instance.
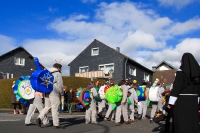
(106, 56)
(7, 64)
(166, 76)
(163, 67)
(139, 73)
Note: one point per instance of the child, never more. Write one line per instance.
(63, 99)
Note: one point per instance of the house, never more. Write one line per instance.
(98, 60)
(164, 72)
(15, 63)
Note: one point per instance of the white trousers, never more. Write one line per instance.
(90, 112)
(52, 103)
(142, 108)
(37, 103)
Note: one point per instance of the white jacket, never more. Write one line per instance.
(58, 83)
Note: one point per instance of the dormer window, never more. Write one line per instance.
(19, 61)
(95, 51)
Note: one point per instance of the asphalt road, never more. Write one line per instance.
(74, 123)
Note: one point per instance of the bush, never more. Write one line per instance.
(6, 88)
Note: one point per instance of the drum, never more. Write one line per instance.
(154, 94)
(23, 88)
(41, 80)
(114, 94)
(102, 91)
(83, 95)
(142, 93)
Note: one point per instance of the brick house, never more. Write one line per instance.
(164, 72)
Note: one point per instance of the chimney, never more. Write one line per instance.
(117, 49)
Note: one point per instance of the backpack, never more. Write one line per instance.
(141, 93)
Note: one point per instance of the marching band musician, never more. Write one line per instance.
(122, 107)
(52, 99)
(157, 105)
(91, 108)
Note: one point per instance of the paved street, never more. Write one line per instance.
(74, 123)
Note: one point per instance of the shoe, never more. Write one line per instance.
(30, 124)
(20, 112)
(95, 122)
(118, 124)
(151, 120)
(139, 117)
(112, 119)
(144, 118)
(59, 127)
(38, 122)
(126, 122)
(100, 116)
(105, 119)
(132, 121)
(47, 125)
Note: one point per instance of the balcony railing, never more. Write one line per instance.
(94, 74)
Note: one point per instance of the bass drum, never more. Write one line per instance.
(154, 94)
(101, 92)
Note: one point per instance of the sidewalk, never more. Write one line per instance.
(10, 111)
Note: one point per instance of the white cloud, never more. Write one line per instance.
(180, 28)
(78, 17)
(49, 50)
(6, 43)
(176, 3)
(140, 33)
(139, 39)
(172, 55)
(124, 24)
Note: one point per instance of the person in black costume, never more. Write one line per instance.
(169, 112)
(184, 96)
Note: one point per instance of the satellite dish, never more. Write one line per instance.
(106, 71)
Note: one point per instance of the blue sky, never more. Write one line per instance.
(148, 31)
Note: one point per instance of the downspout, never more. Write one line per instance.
(125, 68)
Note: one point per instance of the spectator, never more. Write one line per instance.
(70, 96)
(16, 103)
(63, 99)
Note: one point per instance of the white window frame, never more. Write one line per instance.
(132, 71)
(11, 75)
(92, 51)
(19, 61)
(83, 68)
(146, 76)
(104, 67)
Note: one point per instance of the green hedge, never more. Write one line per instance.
(6, 88)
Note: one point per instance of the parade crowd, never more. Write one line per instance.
(177, 105)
